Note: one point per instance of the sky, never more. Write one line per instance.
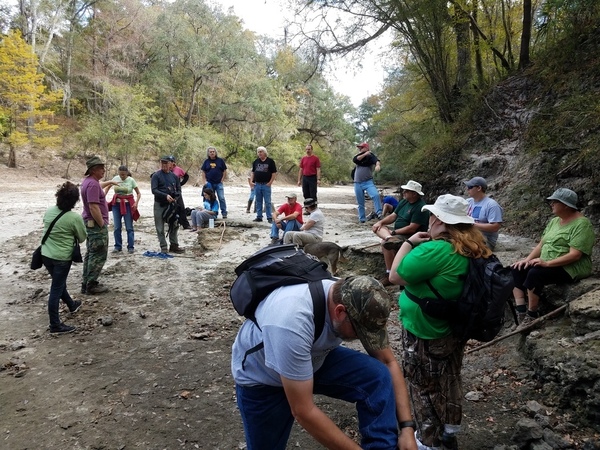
(266, 17)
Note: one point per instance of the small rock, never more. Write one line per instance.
(474, 396)
(17, 345)
(106, 321)
(539, 445)
(527, 430)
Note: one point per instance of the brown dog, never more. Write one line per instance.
(327, 250)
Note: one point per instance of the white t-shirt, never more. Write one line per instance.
(319, 225)
(287, 323)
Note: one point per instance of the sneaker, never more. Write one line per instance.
(224, 216)
(270, 220)
(176, 249)
(116, 250)
(371, 216)
(275, 241)
(193, 230)
(76, 306)
(449, 442)
(62, 329)
(130, 250)
(257, 219)
(95, 289)
(521, 316)
(392, 244)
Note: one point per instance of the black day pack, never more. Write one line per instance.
(274, 267)
(479, 311)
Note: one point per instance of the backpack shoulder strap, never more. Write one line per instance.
(319, 304)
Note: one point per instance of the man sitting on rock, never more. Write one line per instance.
(407, 219)
(288, 218)
(312, 230)
(485, 210)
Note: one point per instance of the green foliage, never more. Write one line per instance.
(125, 125)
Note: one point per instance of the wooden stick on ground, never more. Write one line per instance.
(518, 331)
(222, 233)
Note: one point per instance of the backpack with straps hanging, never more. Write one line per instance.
(479, 311)
(274, 267)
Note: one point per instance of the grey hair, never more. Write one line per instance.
(211, 148)
(262, 149)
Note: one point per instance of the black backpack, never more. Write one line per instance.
(479, 311)
(274, 267)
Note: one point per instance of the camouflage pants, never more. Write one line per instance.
(95, 256)
(432, 371)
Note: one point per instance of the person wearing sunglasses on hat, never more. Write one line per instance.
(432, 355)
(485, 210)
(563, 255)
(275, 384)
(311, 230)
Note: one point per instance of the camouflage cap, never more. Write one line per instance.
(368, 306)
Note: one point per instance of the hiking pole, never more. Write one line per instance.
(512, 333)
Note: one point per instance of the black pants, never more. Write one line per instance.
(309, 186)
(535, 278)
(183, 221)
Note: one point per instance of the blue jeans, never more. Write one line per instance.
(347, 375)
(116, 211)
(220, 193)
(286, 225)
(263, 194)
(59, 271)
(359, 191)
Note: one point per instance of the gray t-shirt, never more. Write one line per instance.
(487, 210)
(288, 327)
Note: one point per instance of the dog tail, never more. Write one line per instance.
(342, 258)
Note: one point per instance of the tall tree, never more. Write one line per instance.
(24, 100)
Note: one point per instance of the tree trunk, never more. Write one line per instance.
(463, 50)
(12, 156)
(524, 60)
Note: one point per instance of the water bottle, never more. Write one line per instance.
(211, 223)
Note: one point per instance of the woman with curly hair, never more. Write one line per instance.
(432, 355)
(57, 252)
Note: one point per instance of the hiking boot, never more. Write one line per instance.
(257, 219)
(527, 320)
(62, 329)
(372, 216)
(95, 289)
(270, 220)
(176, 249)
(130, 250)
(76, 306)
(83, 288)
(224, 216)
(116, 250)
(392, 244)
(520, 317)
(385, 281)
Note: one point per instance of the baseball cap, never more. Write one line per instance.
(93, 161)
(363, 145)
(450, 209)
(477, 181)
(166, 158)
(368, 306)
(566, 196)
(292, 195)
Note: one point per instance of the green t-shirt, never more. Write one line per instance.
(125, 187)
(407, 213)
(66, 230)
(437, 262)
(557, 240)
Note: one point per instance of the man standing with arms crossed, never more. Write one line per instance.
(214, 171)
(309, 174)
(366, 163)
(95, 216)
(264, 172)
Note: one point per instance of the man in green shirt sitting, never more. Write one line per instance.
(408, 218)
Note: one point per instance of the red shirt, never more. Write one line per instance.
(288, 209)
(309, 165)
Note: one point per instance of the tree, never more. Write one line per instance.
(24, 100)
